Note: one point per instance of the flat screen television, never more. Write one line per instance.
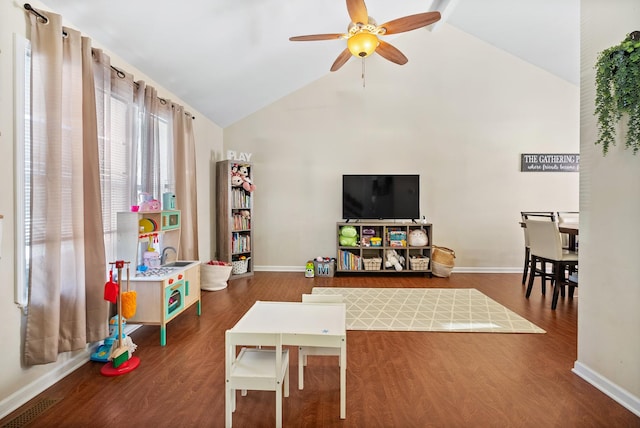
(380, 197)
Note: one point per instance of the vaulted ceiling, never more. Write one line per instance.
(230, 58)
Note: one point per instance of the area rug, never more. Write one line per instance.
(427, 309)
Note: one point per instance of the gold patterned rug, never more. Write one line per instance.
(427, 309)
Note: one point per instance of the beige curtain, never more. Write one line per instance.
(185, 178)
(115, 113)
(67, 270)
(94, 248)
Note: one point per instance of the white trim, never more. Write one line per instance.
(19, 47)
(620, 395)
(474, 269)
(28, 392)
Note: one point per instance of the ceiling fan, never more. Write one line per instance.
(363, 31)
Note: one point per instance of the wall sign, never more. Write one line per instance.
(233, 155)
(549, 162)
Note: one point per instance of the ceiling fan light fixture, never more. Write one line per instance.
(362, 44)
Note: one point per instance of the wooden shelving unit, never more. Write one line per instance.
(234, 211)
(360, 258)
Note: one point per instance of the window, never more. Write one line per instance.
(22, 150)
(116, 147)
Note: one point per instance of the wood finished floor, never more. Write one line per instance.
(394, 379)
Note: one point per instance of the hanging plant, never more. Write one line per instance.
(618, 92)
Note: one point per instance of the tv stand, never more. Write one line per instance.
(367, 257)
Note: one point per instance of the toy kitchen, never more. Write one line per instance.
(165, 286)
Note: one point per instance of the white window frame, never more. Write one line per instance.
(21, 48)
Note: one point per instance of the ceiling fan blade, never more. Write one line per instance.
(316, 37)
(391, 53)
(341, 60)
(358, 11)
(410, 22)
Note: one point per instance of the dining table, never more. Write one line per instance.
(572, 230)
(302, 324)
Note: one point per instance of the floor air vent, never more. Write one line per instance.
(30, 414)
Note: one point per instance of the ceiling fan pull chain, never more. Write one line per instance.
(363, 72)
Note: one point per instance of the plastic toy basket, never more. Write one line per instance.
(240, 266)
(373, 263)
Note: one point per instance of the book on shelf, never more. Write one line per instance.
(240, 198)
(241, 222)
(240, 243)
(349, 261)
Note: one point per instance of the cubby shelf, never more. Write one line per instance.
(364, 257)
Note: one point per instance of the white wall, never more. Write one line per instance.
(609, 321)
(17, 382)
(460, 113)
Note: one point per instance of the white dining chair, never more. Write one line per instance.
(546, 246)
(305, 351)
(255, 369)
(530, 269)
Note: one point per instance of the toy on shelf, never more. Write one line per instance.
(418, 238)
(240, 177)
(147, 203)
(394, 260)
(247, 184)
(348, 236)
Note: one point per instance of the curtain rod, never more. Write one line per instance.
(40, 16)
(120, 73)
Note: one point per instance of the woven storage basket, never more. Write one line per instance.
(419, 263)
(443, 255)
(214, 277)
(442, 261)
(373, 263)
(438, 269)
(240, 266)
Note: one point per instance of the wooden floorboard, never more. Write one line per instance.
(394, 379)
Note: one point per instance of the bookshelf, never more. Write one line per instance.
(234, 210)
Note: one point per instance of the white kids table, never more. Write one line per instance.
(302, 324)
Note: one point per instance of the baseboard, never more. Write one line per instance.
(26, 393)
(618, 394)
(63, 369)
(279, 268)
(455, 269)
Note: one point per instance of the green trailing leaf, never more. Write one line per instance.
(618, 93)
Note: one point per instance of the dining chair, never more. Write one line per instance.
(568, 217)
(262, 369)
(546, 246)
(530, 269)
(304, 351)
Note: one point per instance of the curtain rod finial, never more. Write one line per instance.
(40, 16)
